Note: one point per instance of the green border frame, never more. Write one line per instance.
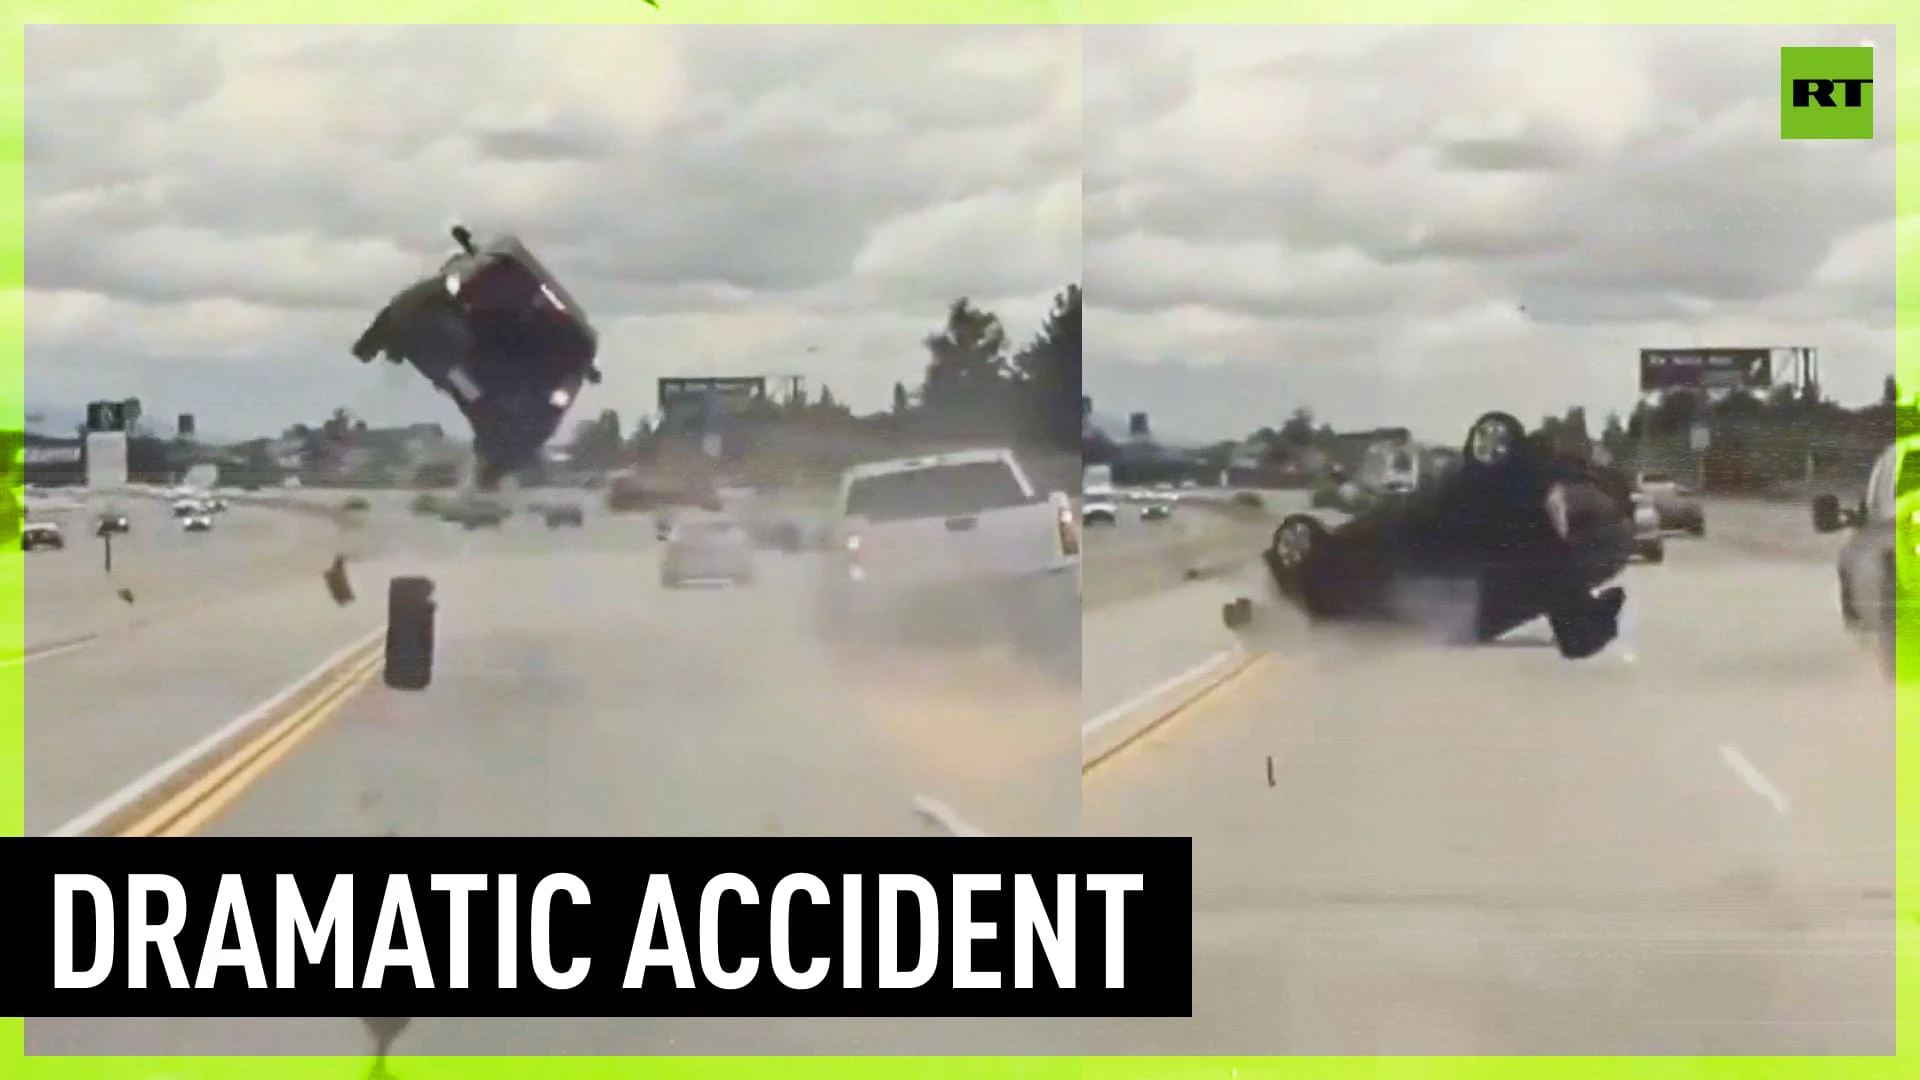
(1783, 13)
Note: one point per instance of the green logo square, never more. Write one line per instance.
(1826, 93)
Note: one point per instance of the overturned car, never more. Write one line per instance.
(1516, 532)
(497, 333)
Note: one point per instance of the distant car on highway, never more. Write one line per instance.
(952, 549)
(1098, 507)
(1649, 541)
(1679, 508)
(35, 535)
(1876, 567)
(1161, 510)
(476, 513)
(565, 515)
(197, 523)
(707, 549)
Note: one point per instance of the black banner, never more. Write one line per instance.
(1705, 369)
(579, 927)
(731, 388)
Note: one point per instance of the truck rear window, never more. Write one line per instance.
(942, 491)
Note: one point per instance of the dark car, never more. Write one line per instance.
(498, 334)
(564, 514)
(1516, 533)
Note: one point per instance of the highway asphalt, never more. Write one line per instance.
(574, 696)
(1684, 846)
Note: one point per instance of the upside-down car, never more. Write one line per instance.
(1516, 533)
(497, 333)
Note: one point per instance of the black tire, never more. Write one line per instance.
(410, 633)
(1286, 553)
(1237, 614)
(1493, 438)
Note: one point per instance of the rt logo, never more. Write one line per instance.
(1826, 93)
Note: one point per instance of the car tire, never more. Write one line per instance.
(410, 633)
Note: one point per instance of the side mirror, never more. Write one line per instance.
(1827, 515)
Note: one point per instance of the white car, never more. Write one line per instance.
(1098, 507)
(197, 523)
(35, 535)
(701, 549)
(954, 549)
(1648, 541)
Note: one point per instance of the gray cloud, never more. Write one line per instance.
(212, 213)
(1411, 224)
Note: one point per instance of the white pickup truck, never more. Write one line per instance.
(954, 549)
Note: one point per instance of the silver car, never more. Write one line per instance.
(702, 550)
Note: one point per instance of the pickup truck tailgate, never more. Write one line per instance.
(993, 544)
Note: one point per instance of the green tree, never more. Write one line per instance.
(968, 376)
(1048, 373)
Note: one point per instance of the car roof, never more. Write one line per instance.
(930, 461)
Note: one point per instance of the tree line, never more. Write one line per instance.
(975, 383)
(1790, 439)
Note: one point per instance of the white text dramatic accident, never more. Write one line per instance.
(974, 939)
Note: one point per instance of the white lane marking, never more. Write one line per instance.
(1753, 777)
(1159, 690)
(942, 815)
(159, 775)
(53, 650)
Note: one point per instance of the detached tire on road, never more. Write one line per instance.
(410, 625)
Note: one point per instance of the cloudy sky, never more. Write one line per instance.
(213, 214)
(1410, 226)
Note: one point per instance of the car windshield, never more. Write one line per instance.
(937, 491)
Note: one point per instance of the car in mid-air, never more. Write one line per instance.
(35, 535)
(562, 515)
(497, 333)
(1876, 566)
(702, 549)
(1517, 533)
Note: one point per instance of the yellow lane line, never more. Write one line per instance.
(217, 790)
(1237, 674)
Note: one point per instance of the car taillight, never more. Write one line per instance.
(855, 570)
